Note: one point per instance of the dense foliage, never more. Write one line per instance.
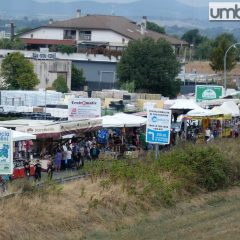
(18, 72)
(60, 85)
(221, 44)
(155, 27)
(152, 67)
(78, 79)
(16, 44)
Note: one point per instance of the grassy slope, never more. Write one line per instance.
(211, 216)
(127, 200)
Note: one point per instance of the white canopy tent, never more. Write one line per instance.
(182, 104)
(200, 112)
(219, 111)
(21, 136)
(230, 107)
(111, 122)
(130, 120)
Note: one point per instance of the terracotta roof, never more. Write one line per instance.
(117, 24)
(48, 41)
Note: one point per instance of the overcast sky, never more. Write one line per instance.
(190, 2)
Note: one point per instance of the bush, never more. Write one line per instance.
(201, 165)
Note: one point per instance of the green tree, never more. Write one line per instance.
(78, 79)
(155, 27)
(66, 49)
(220, 46)
(18, 72)
(60, 85)
(193, 37)
(204, 49)
(149, 66)
(9, 44)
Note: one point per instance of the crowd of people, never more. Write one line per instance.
(67, 156)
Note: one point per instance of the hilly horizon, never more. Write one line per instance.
(171, 9)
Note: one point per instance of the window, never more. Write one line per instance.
(85, 35)
(69, 34)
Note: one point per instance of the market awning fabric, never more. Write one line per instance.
(111, 122)
(21, 136)
(200, 112)
(182, 104)
(230, 107)
(130, 120)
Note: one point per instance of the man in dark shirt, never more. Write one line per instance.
(27, 168)
(38, 169)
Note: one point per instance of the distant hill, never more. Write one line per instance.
(59, 10)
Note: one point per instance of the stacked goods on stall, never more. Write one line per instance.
(29, 98)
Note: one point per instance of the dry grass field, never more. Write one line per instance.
(189, 193)
(83, 210)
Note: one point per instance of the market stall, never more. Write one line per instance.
(22, 143)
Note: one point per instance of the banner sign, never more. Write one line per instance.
(208, 92)
(84, 108)
(6, 152)
(158, 126)
(55, 128)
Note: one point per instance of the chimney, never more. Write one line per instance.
(78, 13)
(50, 21)
(12, 26)
(144, 25)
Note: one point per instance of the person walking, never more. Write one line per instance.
(27, 168)
(69, 157)
(38, 170)
(50, 169)
(58, 160)
(94, 152)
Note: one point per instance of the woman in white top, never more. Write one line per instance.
(69, 157)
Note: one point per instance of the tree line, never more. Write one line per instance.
(145, 66)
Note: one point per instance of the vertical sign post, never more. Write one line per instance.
(158, 127)
(6, 152)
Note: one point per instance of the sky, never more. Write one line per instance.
(189, 2)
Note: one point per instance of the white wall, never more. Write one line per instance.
(49, 69)
(108, 36)
(45, 33)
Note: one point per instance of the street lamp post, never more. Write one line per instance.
(225, 66)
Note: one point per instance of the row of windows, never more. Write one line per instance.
(83, 35)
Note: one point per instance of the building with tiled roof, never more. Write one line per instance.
(109, 32)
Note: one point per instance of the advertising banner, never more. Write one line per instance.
(158, 126)
(208, 92)
(6, 152)
(84, 108)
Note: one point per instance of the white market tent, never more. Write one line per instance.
(182, 104)
(219, 111)
(111, 122)
(21, 136)
(200, 112)
(230, 107)
(130, 120)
